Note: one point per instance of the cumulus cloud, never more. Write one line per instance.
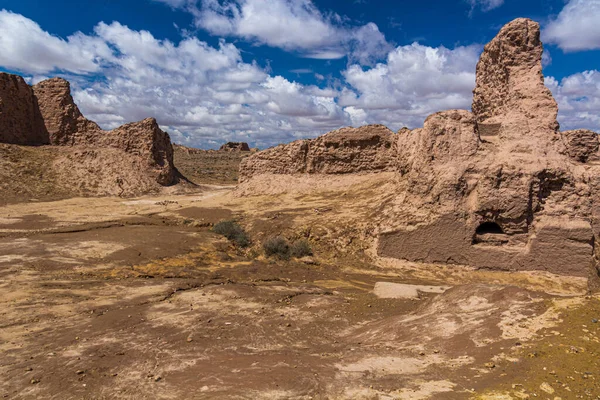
(204, 95)
(577, 26)
(292, 25)
(578, 98)
(414, 82)
(25, 46)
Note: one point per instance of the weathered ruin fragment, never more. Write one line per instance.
(500, 187)
(582, 145)
(64, 122)
(348, 150)
(235, 146)
(20, 118)
(497, 191)
(132, 159)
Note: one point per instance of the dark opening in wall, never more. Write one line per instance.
(488, 227)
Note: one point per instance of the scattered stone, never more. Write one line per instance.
(547, 388)
(308, 260)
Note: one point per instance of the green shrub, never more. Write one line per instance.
(277, 246)
(300, 248)
(232, 231)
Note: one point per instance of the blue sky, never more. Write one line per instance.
(270, 71)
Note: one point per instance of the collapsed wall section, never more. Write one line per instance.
(20, 119)
(369, 148)
(47, 114)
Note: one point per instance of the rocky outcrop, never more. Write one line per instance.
(235, 146)
(47, 114)
(369, 148)
(20, 118)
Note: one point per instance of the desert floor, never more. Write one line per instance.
(104, 298)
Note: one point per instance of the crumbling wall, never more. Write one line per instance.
(20, 118)
(369, 148)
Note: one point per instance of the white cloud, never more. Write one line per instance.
(578, 98)
(301, 71)
(204, 95)
(286, 24)
(173, 3)
(209, 94)
(292, 25)
(485, 5)
(414, 82)
(25, 46)
(577, 26)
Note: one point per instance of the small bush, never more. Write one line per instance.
(233, 232)
(300, 248)
(277, 246)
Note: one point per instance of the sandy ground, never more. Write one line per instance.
(110, 298)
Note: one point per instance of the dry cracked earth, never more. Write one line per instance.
(110, 298)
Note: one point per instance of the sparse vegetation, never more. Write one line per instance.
(233, 232)
(300, 248)
(277, 246)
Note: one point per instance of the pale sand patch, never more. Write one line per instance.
(273, 184)
(76, 211)
(137, 202)
(499, 396)
(425, 390)
(540, 281)
(390, 290)
(11, 258)
(399, 365)
(421, 391)
(516, 325)
(8, 221)
(87, 249)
